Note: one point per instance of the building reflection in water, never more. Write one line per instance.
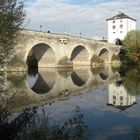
(118, 97)
(29, 115)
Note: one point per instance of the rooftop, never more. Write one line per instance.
(120, 16)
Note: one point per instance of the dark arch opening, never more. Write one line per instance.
(41, 82)
(104, 54)
(103, 76)
(80, 77)
(79, 56)
(118, 42)
(41, 55)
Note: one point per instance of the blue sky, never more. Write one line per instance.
(77, 16)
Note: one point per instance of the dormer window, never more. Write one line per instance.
(120, 21)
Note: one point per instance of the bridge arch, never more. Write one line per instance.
(104, 54)
(118, 41)
(41, 55)
(80, 55)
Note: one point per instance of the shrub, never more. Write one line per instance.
(115, 57)
(16, 63)
(65, 61)
(96, 60)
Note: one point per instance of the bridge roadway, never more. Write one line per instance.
(48, 49)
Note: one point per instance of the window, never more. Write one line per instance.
(121, 97)
(121, 26)
(114, 97)
(120, 21)
(113, 21)
(113, 32)
(121, 103)
(121, 31)
(114, 27)
(114, 102)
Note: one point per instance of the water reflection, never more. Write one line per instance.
(29, 125)
(80, 77)
(46, 80)
(119, 97)
(70, 104)
(41, 82)
(103, 75)
(64, 72)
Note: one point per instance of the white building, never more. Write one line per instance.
(119, 98)
(118, 27)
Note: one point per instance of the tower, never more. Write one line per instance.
(118, 26)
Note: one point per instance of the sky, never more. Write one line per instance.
(86, 18)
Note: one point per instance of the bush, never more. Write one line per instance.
(65, 61)
(16, 64)
(96, 60)
(115, 57)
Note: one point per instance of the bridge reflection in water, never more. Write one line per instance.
(49, 85)
(30, 102)
(57, 80)
(68, 82)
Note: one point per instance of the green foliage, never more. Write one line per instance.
(96, 60)
(11, 19)
(96, 70)
(65, 61)
(115, 57)
(132, 45)
(65, 73)
(132, 81)
(15, 62)
(16, 81)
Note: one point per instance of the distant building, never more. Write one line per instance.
(118, 27)
(119, 98)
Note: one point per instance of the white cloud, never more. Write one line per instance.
(89, 19)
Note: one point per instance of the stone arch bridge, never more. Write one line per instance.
(48, 49)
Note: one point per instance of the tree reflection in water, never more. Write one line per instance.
(30, 125)
(132, 81)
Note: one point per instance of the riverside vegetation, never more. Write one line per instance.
(11, 20)
(131, 52)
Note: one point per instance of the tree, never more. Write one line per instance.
(132, 45)
(11, 18)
